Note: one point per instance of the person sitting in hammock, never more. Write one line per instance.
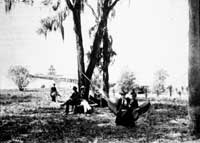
(128, 110)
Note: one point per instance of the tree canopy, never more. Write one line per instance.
(102, 10)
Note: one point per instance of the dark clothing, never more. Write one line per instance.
(53, 89)
(127, 115)
(125, 107)
(144, 108)
(133, 104)
(75, 96)
(83, 95)
(53, 98)
(124, 118)
(75, 99)
(123, 104)
(53, 93)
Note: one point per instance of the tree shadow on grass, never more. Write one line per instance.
(12, 126)
(6, 99)
(50, 125)
(31, 90)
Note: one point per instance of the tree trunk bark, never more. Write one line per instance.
(79, 44)
(106, 59)
(194, 67)
(95, 49)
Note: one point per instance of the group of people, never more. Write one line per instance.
(128, 110)
(76, 99)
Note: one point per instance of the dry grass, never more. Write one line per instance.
(31, 117)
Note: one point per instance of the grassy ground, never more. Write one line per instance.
(31, 117)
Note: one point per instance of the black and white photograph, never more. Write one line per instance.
(99, 71)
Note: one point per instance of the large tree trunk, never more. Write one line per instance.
(106, 60)
(194, 67)
(79, 43)
(95, 49)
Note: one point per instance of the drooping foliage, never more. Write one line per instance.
(9, 4)
(104, 10)
(111, 53)
(53, 24)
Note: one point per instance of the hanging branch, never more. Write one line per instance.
(113, 4)
(53, 23)
(71, 7)
(93, 12)
(106, 3)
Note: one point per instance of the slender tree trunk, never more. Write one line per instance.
(79, 43)
(194, 67)
(106, 59)
(96, 44)
(95, 49)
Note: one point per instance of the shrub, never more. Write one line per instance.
(127, 81)
(159, 81)
(20, 76)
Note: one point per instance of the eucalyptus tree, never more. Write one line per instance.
(104, 8)
(105, 55)
(194, 66)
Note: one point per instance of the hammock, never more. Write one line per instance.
(113, 102)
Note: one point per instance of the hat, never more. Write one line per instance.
(74, 88)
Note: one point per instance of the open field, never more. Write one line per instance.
(31, 117)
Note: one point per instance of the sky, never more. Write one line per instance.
(147, 35)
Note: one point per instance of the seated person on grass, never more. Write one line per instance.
(97, 99)
(84, 105)
(74, 100)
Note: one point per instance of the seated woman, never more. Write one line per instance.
(127, 110)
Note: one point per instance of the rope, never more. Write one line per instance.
(93, 85)
(86, 77)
